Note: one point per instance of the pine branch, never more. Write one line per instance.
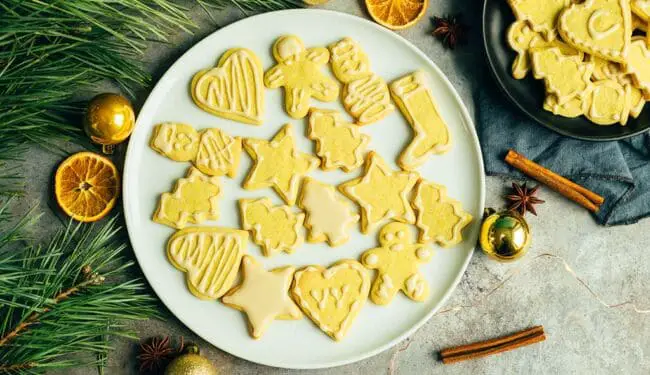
(253, 5)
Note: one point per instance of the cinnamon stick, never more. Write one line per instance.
(493, 346)
(562, 185)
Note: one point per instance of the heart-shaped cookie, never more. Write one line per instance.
(234, 89)
(332, 297)
(599, 27)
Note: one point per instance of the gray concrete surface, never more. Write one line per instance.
(584, 337)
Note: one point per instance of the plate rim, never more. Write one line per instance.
(513, 100)
(471, 129)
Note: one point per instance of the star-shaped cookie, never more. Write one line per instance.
(263, 296)
(381, 193)
(278, 164)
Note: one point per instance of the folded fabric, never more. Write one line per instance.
(618, 170)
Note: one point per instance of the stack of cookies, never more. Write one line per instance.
(593, 56)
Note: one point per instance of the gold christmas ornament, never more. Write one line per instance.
(505, 235)
(191, 363)
(109, 120)
(315, 2)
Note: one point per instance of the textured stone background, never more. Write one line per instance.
(584, 337)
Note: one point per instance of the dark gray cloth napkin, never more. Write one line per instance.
(619, 171)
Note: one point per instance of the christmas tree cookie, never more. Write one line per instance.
(278, 164)
(339, 144)
(275, 229)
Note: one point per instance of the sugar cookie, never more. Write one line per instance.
(233, 89)
(332, 297)
(637, 101)
(339, 144)
(263, 296)
(564, 76)
(329, 216)
(177, 141)
(575, 107)
(440, 218)
(638, 61)
(431, 135)
(540, 14)
(299, 72)
(599, 27)
(610, 103)
(381, 193)
(349, 61)
(194, 199)
(210, 258)
(275, 229)
(397, 261)
(641, 9)
(367, 99)
(278, 164)
(218, 153)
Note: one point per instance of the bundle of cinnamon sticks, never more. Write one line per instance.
(577, 193)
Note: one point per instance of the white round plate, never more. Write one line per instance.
(298, 344)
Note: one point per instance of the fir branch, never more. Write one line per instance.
(60, 303)
(253, 5)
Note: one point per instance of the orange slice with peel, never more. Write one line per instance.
(397, 14)
(86, 186)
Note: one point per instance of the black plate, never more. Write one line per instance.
(528, 93)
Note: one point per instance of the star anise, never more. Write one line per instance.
(154, 354)
(450, 29)
(523, 199)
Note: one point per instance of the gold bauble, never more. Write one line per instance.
(315, 2)
(505, 235)
(109, 119)
(191, 363)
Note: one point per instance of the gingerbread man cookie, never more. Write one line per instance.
(299, 72)
(397, 261)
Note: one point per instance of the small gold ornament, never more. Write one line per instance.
(109, 120)
(505, 235)
(315, 2)
(191, 363)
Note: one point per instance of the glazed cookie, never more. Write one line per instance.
(575, 107)
(431, 135)
(565, 77)
(520, 36)
(599, 27)
(397, 261)
(275, 229)
(210, 257)
(637, 65)
(540, 14)
(278, 164)
(218, 153)
(367, 99)
(194, 199)
(299, 72)
(329, 216)
(332, 297)
(263, 296)
(233, 89)
(604, 69)
(381, 193)
(610, 103)
(349, 61)
(179, 142)
(339, 144)
(637, 101)
(641, 9)
(440, 218)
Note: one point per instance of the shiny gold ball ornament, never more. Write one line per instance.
(191, 363)
(505, 235)
(109, 120)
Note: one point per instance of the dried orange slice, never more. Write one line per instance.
(86, 186)
(397, 14)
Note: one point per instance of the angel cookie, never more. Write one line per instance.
(299, 72)
(339, 144)
(275, 229)
(195, 199)
(210, 257)
(179, 142)
(599, 27)
(278, 164)
(540, 14)
(440, 218)
(332, 297)
(365, 94)
(397, 261)
(233, 89)
(329, 216)
(564, 76)
(381, 193)
(263, 296)
(431, 135)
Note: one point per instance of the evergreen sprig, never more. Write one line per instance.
(62, 302)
